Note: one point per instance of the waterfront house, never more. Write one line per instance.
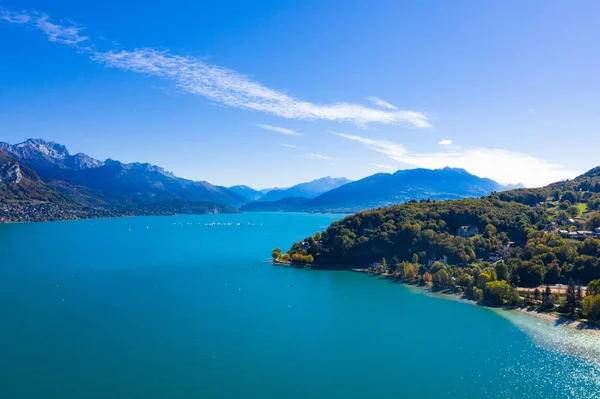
(467, 231)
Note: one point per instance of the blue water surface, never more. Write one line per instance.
(187, 307)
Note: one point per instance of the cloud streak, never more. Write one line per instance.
(319, 156)
(501, 165)
(217, 83)
(282, 130)
(445, 142)
(66, 34)
(288, 145)
(382, 166)
(382, 103)
(236, 90)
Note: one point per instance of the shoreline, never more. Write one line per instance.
(558, 321)
(115, 217)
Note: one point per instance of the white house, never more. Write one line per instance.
(467, 231)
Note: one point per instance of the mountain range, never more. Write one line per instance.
(384, 189)
(248, 193)
(109, 181)
(38, 172)
(307, 190)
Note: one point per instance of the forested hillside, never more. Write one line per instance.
(527, 236)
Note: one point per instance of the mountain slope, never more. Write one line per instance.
(308, 190)
(384, 189)
(139, 183)
(247, 193)
(21, 184)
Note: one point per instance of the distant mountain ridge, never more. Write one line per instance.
(310, 189)
(44, 172)
(384, 189)
(248, 193)
(25, 197)
(140, 183)
(41, 154)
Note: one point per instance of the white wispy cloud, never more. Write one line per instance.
(381, 166)
(236, 90)
(319, 156)
(382, 103)
(214, 82)
(66, 34)
(288, 145)
(282, 130)
(445, 142)
(501, 165)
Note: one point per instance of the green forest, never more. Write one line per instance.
(486, 248)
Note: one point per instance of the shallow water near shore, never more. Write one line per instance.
(186, 306)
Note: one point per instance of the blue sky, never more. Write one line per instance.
(272, 93)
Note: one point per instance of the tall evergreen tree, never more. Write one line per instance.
(579, 300)
(571, 303)
(547, 298)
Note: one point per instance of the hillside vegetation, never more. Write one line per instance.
(523, 237)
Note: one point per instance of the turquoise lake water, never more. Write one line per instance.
(174, 307)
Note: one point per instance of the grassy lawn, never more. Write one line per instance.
(582, 208)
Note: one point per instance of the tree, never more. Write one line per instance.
(591, 307)
(547, 299)
(579, 298)
(502, 271)
(496, 292)
(590, 246)
(572, 211)
(569, 196)
(514, 299)
(593, 288)
(395, 264)
(571, 302)
(564, 205)
(441, 279)
(593, 221)
(556, 195)
(465, 281)
(410, 271)
(483, 279)
(477, 293)
(415, 259)
(426, 279)
(383, 264)
(276, 254)
(537, 294)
